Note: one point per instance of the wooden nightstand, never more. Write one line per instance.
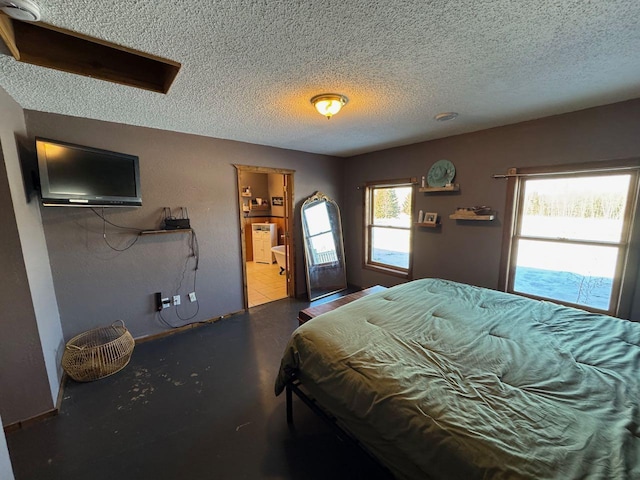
(311, 312)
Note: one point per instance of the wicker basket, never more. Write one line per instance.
(98, 353)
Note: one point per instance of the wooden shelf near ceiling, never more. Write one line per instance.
(53, 47)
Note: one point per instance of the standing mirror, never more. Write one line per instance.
(323, 247)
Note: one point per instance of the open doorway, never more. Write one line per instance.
(265, 200)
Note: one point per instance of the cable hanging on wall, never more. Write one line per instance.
(195, 254)
(104, 232)
(169, 223)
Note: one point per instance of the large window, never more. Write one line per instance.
(388, 213)
(570, 236)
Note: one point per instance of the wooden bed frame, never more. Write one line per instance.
(312, 312)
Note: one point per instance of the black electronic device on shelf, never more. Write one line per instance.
(174, 223)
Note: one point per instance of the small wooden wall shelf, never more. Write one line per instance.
(427, 225)
(450, 188)
(485, 218)
(162, 232)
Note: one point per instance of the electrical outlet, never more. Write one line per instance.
(192, 297)
(176, 300)
(166, 303)
(158, 299)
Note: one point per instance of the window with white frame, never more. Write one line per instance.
(388, 213)
(571, 234)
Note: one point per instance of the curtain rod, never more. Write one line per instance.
(565, 172)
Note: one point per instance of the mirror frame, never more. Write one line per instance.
(334, 211)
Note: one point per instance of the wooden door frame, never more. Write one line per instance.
(288, 222)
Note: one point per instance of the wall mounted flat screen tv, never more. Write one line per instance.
(78, 176)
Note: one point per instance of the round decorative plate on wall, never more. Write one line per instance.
(441, 173)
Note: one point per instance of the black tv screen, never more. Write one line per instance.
(75, 175)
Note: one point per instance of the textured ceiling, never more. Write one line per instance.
(249, 68)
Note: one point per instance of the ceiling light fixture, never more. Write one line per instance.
(21, 9)
(445, 116)
(328, 104)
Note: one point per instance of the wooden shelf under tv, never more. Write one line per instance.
(162, 232)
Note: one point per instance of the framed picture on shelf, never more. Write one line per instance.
(430, 218)
(277, 201)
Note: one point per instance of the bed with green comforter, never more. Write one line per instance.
(444, 380)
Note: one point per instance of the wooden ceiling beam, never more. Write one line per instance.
(7, 35)
(53, 47)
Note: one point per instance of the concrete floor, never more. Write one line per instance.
(194, 405)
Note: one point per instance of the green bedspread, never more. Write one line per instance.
(445, 380)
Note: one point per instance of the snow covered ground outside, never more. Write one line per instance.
(580, 274)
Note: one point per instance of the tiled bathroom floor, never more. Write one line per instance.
(264, 284)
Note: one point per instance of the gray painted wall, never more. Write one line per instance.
(31, 334)
(6, 471)
(471, 252)
(96, 285)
